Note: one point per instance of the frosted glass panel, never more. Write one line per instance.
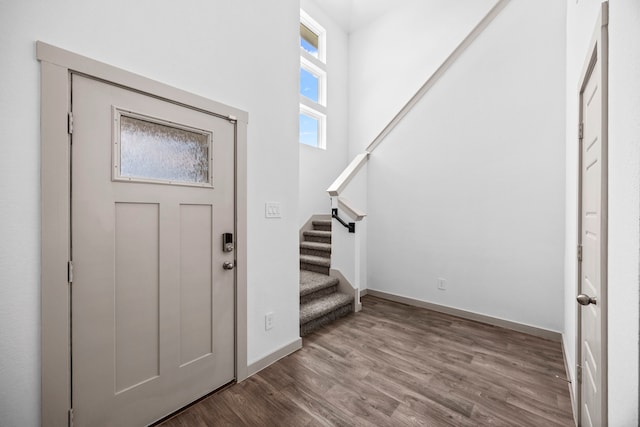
(155, 151)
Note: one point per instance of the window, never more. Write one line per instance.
(313, 83)
(148, 149)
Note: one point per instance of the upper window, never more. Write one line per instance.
(313, 83)
(309, 40)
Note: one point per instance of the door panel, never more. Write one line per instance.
(152, 308)
(137, 291)
(591, 241)
(195, 271)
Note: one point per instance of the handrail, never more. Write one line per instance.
(352, 211)
(347, 175)
(351, 226)
(356, 164)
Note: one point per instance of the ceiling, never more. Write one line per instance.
(353, 14)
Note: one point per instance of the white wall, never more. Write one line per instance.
(470, 186)
(624, 211)
(391, 57)
(624, 194)
(319, 168)
(243, 53)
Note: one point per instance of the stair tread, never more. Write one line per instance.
(323, 305)
(317, 233)
(322, 222)
(316, 260)
(316, 246)
(310, 282)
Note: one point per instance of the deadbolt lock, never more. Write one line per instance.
(227, 242)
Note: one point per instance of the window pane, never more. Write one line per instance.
(151, 150)
(309, 130)
(309, 40)
(308, 85)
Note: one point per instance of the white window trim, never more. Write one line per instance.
(322, 125)
(321, 74)
(313, 25)
(316, 66)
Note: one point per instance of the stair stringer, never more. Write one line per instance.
(346, 287)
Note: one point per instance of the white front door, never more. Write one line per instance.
(152, 306)
(592, 241)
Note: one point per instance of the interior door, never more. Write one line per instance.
(152, 305)
(592, 232)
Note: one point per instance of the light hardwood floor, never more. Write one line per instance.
(395, 365)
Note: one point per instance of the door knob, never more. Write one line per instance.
(228, 265)
(585, 299)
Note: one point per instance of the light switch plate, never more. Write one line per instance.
(272, 210)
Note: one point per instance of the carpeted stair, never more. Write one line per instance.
(320, 300)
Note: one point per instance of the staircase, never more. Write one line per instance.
(320, 300)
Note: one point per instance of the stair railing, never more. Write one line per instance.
(356, 253)
(351, 226)
(342, 181)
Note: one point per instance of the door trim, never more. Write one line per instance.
(57, 65)
(598, 51)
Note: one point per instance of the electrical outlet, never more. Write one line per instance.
(442, 284)
(268, 321)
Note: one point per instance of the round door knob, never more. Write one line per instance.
(228, 265)
(585, 299)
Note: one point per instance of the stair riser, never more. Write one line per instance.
(319, 239)
(313, 267)
(319, 322)
(322, 227)
(318, 294)
(324, 254)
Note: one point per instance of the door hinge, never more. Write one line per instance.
(71, 417)
(70, 122)
(70, 271)
(580, 130)
(580, 253)
(579, 373)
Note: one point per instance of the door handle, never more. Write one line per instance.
(585, 299)
(228, 265)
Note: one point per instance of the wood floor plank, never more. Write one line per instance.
(398, 365)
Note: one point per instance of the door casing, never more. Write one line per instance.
(57, 65)
(598, 50)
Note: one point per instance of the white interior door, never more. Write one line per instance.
(591, 239)
(152, 305)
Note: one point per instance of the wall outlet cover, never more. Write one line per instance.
(268, 321)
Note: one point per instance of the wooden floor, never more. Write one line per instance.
(395, 365)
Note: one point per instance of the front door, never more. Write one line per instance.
(592, 241)
(152, 306)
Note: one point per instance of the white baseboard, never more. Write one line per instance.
(259, 365)
(527, 329)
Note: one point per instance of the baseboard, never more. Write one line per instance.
(469, 315)
(259, 365)
(363, 292)
(574, 404)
